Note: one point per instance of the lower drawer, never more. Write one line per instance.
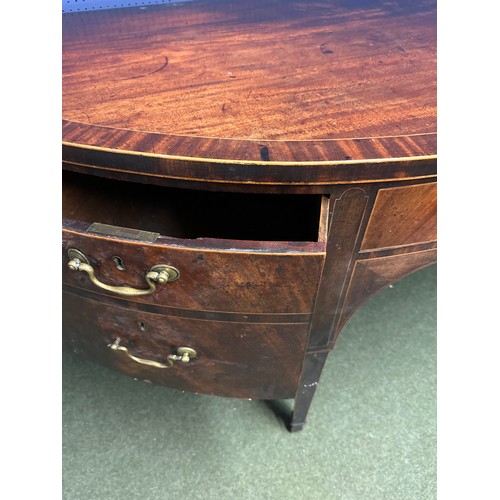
(242, 360)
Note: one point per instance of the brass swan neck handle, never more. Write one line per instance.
(160, 274)
(184, 354)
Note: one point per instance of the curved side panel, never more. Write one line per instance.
(370, 276)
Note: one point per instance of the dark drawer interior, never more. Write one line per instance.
(190, 214)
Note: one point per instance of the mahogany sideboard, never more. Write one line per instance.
(239, 177)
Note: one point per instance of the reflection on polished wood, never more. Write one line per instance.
(257, 71)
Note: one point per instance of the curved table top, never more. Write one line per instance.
(274, 82)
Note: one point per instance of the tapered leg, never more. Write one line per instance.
(311, 371)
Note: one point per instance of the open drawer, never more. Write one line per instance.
(192, 249)
(225, 358)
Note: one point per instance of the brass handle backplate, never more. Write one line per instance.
(160, 273)
(184, 354)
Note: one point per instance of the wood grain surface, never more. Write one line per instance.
(234, 359)
(268, 81)
(210, 279)
(402, 216)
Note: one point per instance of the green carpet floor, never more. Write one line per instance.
(370, 433)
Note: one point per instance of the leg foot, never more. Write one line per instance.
(295, 426)
(311, 371)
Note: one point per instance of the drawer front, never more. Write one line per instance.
(211, 279)
(243, 360)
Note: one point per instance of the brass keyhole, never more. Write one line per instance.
(119, 263)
